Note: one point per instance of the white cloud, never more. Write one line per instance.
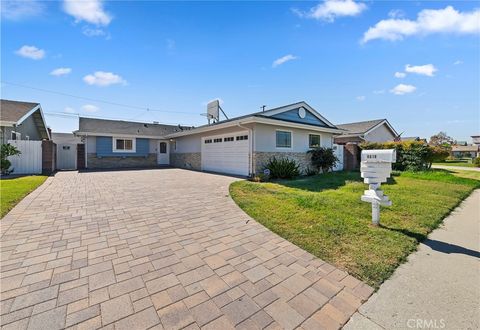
(361, 98)
(171, 45)
(96, 32)
(457, 62)
(16, 10)
(329, 10)
(60, 72)
(284, 59)
(90, 11)
(396, 13)
(447, 20)
(31, 52)
(69, 110)
(101, 78)
(400, 74)
(90, 108)
(379, 91)
(425, 70)
(402, 89)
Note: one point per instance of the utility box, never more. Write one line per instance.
(376, 168)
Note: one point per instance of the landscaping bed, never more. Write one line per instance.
(323, 214)
(13, 190)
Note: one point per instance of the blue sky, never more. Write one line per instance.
(414, 63)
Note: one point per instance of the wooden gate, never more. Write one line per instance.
(30, 159)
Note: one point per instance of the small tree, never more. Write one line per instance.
(7, 150)
(441, 139)
(323, 159)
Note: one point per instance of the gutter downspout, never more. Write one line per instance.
(86, 152)
(250, 147)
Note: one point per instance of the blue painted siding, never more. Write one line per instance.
(292, 115)
(105, 148)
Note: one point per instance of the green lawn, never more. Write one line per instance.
(323, 214)
(14, 190)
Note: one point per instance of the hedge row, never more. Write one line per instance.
(411, 155)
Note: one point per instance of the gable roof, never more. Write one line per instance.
(13, 111)
(360, 127)
(93, 126)
(365, 127)
(267, 117)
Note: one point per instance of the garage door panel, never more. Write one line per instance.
(227, 156)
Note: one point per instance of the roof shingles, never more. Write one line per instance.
(13, 111)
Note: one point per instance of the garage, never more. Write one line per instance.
(227, 153)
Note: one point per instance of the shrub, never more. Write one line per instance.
(7, 150)
(282, 168)
(323, 159)
(476, 161)
(411, 155)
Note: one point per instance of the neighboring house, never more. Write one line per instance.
(468, 151)
(117, 144)
(243, 145)
(22, 121)
(378, 130)
(65, 138)
(476, 139)
(238, 146)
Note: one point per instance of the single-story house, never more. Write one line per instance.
(240, 145)
(469, 151)
(117, 143)
(378, 130)
(22, 121)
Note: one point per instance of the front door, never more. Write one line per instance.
(163, 155)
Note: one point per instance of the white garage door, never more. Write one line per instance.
(226, 153)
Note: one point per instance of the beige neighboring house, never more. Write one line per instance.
(22, 121)
(468, 151)
(378, 130)
(476, 139)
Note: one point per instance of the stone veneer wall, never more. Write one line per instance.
(93, 162)
(261, 158)
(189, 160)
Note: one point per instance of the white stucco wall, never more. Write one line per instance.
(265, 138)
(380, 134)
(192, 143)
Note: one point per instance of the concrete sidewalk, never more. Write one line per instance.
(438, 288)
(458, 168)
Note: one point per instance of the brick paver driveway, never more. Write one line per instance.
(164, 248)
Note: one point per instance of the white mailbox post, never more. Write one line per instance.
(376, 167)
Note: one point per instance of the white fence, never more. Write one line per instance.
(338, 149)
(30, 159)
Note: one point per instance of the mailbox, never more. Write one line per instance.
(375, 168)
(379, 156)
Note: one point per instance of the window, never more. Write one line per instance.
(208, 141)
(163, 147)
(123, 145)
(284, 139)
(66, 147)
(16, 136)
(242, 137)
(228, 139)
(314, 140)
(217, 140)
